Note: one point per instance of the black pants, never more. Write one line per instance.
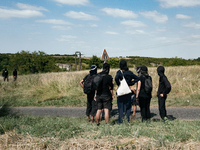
(91, 105)
(6, 77)
(162, 108)
(145, 108)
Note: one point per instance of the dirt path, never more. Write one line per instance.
(181, 113)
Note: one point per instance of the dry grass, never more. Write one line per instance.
(185, 83)
(13, 141)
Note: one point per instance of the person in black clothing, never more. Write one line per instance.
(124, 102)
(91, 103)
(15, 74)
(142, 96)
(5, 75)
(163, 89)
(104, 95)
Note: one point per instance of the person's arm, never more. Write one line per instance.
(95, 95)
(118, 77)
(167, 87)
(81, 83)
(138, 90)
(136, 79)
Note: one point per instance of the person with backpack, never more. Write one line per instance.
(143, 93)
(124, 101)
(5, 75)
(163, 89)
(86, 84)
(103, 84)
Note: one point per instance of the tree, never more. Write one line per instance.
(95, 61)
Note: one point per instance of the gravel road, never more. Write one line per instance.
(181, 113)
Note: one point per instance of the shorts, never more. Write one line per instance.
(104, 102)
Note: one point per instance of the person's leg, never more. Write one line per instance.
(107, 115)
(148, 109)
(162, 109)
(98, 118)
(89, 106)
(142, 109)
(120, 109)
(94, 110)
(128, 106)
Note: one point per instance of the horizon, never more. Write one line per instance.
(148, 28)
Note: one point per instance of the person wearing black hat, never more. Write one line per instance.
(163, 89)
(142, 96)
(15, 74)
(86, 84)
(5, 75)
(104, 95)
(124, 102)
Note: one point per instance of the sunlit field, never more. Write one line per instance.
(63, 89)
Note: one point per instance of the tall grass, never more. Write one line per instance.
(76, 133)
(63, 89)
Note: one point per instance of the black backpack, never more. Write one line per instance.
(87, 88)
(148, 85)
(97, 81)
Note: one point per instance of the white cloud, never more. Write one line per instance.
(180, 16)
(30, 7)
(178, 3)
(73, 2)
(66, 38)
(192, 25)
(9, 13)
(136, 32)
(161, 29)
(110, 32)
(93, 25)
(115, 12)
(61, 28)
(154, 15)
(54, 21)
(80, 15)
(133, 23)
(161, 39)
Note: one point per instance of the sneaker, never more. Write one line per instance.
(93, 121)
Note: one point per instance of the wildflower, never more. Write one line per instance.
(188, 101)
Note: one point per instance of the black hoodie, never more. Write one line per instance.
(164, 85)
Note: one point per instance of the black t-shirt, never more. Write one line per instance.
(107, 85)
(142, 93)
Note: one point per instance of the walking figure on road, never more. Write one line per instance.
(163, 89)
(86, 84)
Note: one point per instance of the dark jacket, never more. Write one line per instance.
(5, 73)
(142, 93)
(106, 86)
(128, 75)
(164, 85)
(15, 72)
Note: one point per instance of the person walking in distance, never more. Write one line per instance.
(143, 93)
(5, 75)
(86, 84)
(163, 89)
(15, 74)
(104, 95)
(124, 101)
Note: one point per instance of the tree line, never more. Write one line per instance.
(40, 62)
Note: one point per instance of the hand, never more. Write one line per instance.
(95, 97)
(137, 100)
(113, 97)
(161, 95)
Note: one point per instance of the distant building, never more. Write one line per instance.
(64, 66)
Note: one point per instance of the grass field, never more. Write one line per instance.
(63, 89)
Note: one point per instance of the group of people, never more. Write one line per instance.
(5, 74)
(99, 100)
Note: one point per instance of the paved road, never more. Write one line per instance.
(183, 113)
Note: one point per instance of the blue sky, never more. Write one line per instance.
(150, 28)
